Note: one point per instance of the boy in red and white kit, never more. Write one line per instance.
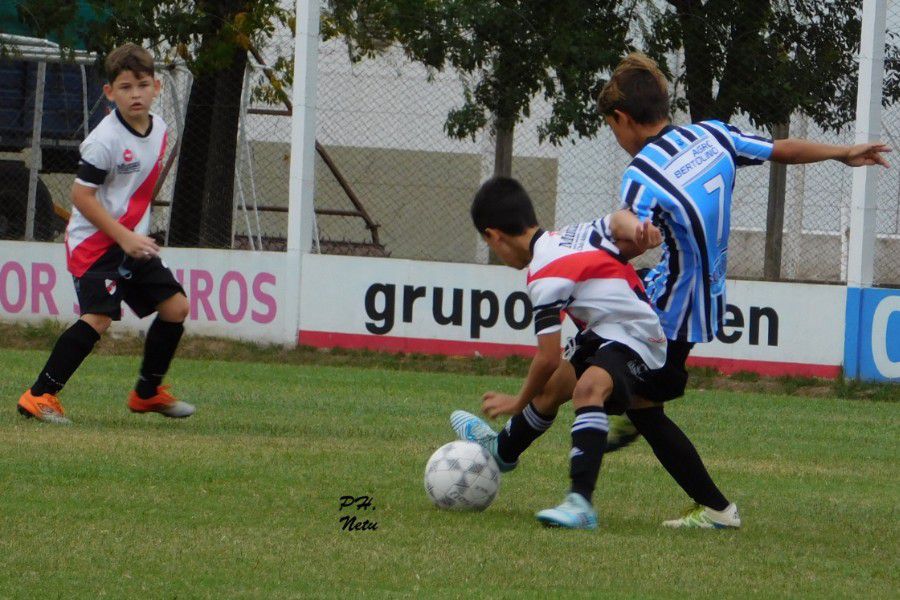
(578, 270)
(108, 252)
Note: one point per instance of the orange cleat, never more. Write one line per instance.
(163, 403)
(44, 408)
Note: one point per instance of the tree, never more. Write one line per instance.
(766, 59)
(211, 37)
(509, 50)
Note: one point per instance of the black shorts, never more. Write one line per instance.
(115, 277)
(624, 365)
(668, 382)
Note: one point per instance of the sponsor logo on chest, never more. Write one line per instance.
(128, 164)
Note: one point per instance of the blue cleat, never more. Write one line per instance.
(470, 428)
(574, 513)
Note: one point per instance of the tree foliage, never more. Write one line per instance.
(204, 33)
(764, 58)
(508, 50)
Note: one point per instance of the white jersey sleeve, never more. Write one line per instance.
(95, 162)
(549, 297)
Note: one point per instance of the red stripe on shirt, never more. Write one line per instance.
(593, 264)
(85, 254)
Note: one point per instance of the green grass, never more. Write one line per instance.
(241, 500)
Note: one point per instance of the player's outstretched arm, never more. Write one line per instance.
(543, 365)
(797, 152)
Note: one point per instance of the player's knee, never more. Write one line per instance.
(175, 309)
(100, 323)
(593, 389)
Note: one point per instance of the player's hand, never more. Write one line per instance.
(863, 155)
(139, 246)
(494, 404)
(647, 236)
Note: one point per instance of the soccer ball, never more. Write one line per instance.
(462, 476)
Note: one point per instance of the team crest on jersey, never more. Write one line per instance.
(128, 155)
(110, 286)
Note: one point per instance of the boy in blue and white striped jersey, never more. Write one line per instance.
(682, 178)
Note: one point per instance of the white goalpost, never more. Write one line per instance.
(301, 186)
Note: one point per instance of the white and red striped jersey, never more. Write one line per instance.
(123, 166)
(578, 270)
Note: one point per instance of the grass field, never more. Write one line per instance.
(242, 500)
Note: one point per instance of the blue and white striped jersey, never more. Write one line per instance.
(683, 179)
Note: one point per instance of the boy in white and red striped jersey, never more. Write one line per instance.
(580, 271)
(108, 251)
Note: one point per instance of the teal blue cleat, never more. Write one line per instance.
(574, 513)
(470, 428)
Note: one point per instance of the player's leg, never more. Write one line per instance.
(622, 431)
(99, 301)
(161, 342)
(668, 382)
(606, 377)
(680, 458)
(526, 427)
(522, 429)
(588, 441)
(153, 288)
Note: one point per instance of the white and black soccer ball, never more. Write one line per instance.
(462, 476)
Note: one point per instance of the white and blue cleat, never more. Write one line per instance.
(470, 428)
(574, 513)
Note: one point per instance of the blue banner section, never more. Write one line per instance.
(872, 345)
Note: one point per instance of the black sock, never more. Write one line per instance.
(159, 348)
(70, 350)
(677, 454)
(521, 431)
(588, 441)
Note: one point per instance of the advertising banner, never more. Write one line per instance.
(411, 306)
(231, 293)
(873, 334)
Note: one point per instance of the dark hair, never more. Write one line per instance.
(128, 57)
(638, 88)
(502, 203)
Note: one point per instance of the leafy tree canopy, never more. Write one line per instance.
(511, 51)
(765, 58)
(204, 33)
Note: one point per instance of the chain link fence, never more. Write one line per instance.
(887, 223)
(39, 155)
(384, 118)
(390, 182)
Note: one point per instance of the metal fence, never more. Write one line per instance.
(887, 244)
(390, 182)
(384, 117)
